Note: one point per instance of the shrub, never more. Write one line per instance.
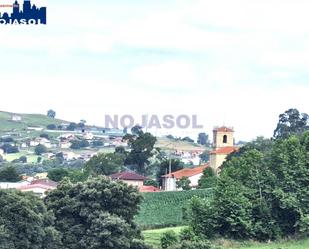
(168, 239)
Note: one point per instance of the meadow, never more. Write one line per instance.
(152, 237)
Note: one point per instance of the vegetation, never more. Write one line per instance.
(142, 146)
(184, 183)
(105, 164)
(153, 238)
(40, 149)
(203, 139)
(164, 209)
(208, 179)
(96, 214)
(25, 223)
(9, 174)
(259, 194)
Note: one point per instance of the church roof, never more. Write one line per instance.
(224, 129)
(224, 150)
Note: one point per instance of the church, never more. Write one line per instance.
(223, 145)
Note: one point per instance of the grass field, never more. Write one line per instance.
(152, 237)
(169, 144)
(39, 120)
(164, 209)
(31, 158)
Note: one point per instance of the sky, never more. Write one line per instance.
(237, 63)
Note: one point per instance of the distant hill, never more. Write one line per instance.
(26, 120)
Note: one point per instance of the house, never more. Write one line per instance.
(130, 178)
(88, 136)
(65, 145)
(13, 185)
(42, 141)
(193, 174)
(39, 187)
(41, 175)
(1, 152)
(223, 145)
(16, 117)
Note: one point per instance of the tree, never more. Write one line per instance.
(9, 174)
(188, 139)
(23, 159)
(57, 175)
(40, 149)
(51, 127)
(208, 179)
(291, 122)
(163, 169)
(105, 164)
(72, 126)
(44, 135)
(142, 146)
(78, 144)
(51, 114)
(261, 193)
(184, 183)
(9, 149)
(204, 156)
(25, 223)
(203, 139)
(95, 214)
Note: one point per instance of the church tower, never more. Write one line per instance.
(223, 145)
(223, 137)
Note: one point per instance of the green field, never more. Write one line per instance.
(152, 237)
(164, 209)
(37, 120)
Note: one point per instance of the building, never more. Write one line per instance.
(39, 187)
(15, 118)
(223, 145)
(130, 178)
(1, 152)
(193, 174)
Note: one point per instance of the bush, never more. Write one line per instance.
(168, 239)
(40, 149)
(202, 244)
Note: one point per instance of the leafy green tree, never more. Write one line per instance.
(163, 169)
(40, 149)
(142, 147)
(205, 156)
(187, 139)
(57, 175)
(51, 127)
(291, 122)
(23, 159)
(184, 183)
(95, 214)
(51, 113)
(105, 164)
(9, 174)
(208, 179)
(25, 223)
(72, 126)
(150, 182)
(203, 139)
(260, 194)
(9, 149)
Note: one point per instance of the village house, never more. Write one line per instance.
(1, 152)
(16, 117)
(169, 181)
(134, 179)
(39, 187)
(42, 141)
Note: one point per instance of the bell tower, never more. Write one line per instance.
(223, 137)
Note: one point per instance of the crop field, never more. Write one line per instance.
(164, 209)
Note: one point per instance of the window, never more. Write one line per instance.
(225, 139)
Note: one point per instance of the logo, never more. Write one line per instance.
(22, 14)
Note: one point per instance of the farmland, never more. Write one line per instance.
(164, 209)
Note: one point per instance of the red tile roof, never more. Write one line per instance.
(45, 182)
(33, 186)
(187, 172)
(224, 150)
(127, 176)
(144, 189)
(224, 129)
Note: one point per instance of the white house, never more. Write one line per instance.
(16, 118)
(1, 152)
(194, 174)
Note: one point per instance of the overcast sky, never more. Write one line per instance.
(235, 62)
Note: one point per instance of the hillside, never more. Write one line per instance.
(27, 120)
